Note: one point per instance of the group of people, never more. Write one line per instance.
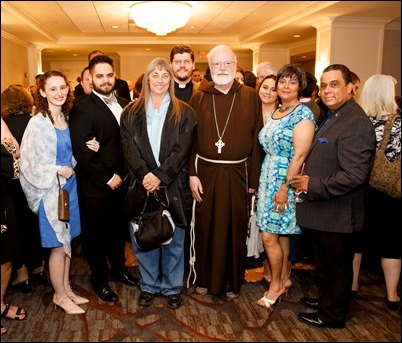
(207, 147)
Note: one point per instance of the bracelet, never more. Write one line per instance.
(286, 182)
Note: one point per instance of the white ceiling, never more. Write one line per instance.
(66, 28)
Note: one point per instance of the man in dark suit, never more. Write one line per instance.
(336, 181)
(99, 176)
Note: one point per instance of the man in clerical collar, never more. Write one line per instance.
(182, 62)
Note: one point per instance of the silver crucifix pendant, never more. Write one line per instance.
(220, 145)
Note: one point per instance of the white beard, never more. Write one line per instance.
(222, 79)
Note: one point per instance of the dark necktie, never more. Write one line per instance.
(326, 121)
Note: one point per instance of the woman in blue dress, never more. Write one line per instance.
(286, 138)
(46, 151)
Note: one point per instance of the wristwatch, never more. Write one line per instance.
(286, 182)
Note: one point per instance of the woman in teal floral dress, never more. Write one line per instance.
(286, 138)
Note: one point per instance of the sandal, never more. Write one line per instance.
(3, 330)
(20, 313)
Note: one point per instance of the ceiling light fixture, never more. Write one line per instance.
(161, 17)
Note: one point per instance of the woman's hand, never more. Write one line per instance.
(151, 182)
(93, 144)
(281, 199)
(65, 171)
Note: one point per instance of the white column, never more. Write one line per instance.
(34, 62)
(354, 42)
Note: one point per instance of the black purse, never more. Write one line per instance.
(153, 228)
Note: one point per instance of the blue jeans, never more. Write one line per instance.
(162, 268)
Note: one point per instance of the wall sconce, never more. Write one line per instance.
(161, 17)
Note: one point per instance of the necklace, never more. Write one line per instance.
(284, 109)
(220, 144)
(265, 116)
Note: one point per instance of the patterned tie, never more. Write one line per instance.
(110, 100)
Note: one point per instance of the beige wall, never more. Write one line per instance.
(391, 63)
(14, 64)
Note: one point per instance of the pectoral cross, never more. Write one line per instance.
(220, 145)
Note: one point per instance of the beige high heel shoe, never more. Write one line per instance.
(67, 305)
(78, 300)
(266, 302)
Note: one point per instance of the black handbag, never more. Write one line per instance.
(153, 228)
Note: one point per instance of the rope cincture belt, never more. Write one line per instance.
(192, 225)
(222, 161)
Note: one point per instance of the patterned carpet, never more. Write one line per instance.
(201, 318)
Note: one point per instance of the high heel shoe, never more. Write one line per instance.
(67, 305)
(75, 298)
(393, 305)
(266, 302)
(287, 284)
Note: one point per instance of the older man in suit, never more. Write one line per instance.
(99, 176)
(336, 180)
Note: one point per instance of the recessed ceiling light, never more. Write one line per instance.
(115, 26)
(296, 36)
(304, 56)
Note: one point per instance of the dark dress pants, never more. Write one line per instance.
(333, 258)
(103, 232)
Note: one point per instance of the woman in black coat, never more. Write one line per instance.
(157, 132)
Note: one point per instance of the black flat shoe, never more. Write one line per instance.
(314, 319)
(393, 305)
(353, 294)
(145, 298)
(174, 301)
(23, 287)
(310, 302)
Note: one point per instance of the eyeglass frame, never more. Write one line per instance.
(227, 64)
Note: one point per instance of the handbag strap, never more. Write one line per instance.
(145, 205)
(387, 131)
(159, 200)
(58, 180)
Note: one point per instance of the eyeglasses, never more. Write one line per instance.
(222, 65)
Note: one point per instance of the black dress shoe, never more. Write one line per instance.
(145, 298)
(126, 278)
(105, 293)
(40, 277)
(174, 300)
(313, 319)
(310, 302)
(23, 287)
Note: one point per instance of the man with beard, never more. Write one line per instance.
(182, 63)
(99, 176)
(224, 169)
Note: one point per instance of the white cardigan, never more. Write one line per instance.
(38, 173)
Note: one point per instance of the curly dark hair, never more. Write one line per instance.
(16, 99)
(41, 103)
